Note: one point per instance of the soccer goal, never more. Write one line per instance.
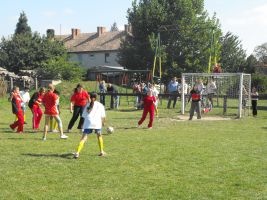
(227, 98)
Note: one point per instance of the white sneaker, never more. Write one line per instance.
(64, 136)
(102, 154)
(44, 138)
(76, 155)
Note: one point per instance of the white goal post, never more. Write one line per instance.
(227, 94)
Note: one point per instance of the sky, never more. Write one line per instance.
(246, 19)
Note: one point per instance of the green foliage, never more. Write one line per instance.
(60, 68)
(261, 53)
(24, 51)
(233, 57)
(259, 81)
(114, 27)
(22, 25)
(251, 63)
(185, 34)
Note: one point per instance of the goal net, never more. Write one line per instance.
(221, 93)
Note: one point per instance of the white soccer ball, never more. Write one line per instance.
(110, 129)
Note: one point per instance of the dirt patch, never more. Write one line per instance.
(204, 118)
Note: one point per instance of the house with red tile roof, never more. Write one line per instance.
(99, 48)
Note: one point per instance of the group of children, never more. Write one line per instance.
(93, 115)
(91, 112)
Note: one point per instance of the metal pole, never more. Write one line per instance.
(239, 114)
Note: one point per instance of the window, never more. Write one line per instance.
(106, 57)
(92, 56)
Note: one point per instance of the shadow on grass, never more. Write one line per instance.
(261, 107)
(64, 155)
(128, 110)
(26, 138)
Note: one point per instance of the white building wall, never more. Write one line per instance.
(91, 59)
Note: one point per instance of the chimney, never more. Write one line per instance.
(50, 33)
(100, 30)
(75, 32)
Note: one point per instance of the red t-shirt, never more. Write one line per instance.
(149, 102)
(80, 98)
(39, 99)
(49, 101)
(16, 104)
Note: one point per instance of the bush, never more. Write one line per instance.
(259, 81)
(61, 69)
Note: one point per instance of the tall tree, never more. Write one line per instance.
(22, 25)
(251, 64)
(261, 53)
(114, 27)
(25, 50)
(233, 56)
(185, 35)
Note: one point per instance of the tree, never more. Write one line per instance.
(185, 41)
(251, 64)
(60, 68)
(25, 50)
(261, 53)
(22, 25)
(233, 56)
(114, 27)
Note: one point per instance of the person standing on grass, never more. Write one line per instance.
(94, 119)
(172, 89)
(78, 101)
(50, 103)
(155, 93)
(195, 95)
(35, 106)
(102, 90)
(16, 101)
(254, 101)
(211, 90)
(149, 102)
(26, 98)
(53, 126)
(114, 98)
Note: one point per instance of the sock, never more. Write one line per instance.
(100, 143)
(80, 146)
(157, 111)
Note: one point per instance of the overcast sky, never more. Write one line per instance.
(245, 18)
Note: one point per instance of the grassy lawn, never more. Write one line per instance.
(177, 159)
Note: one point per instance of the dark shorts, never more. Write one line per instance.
(89, 131)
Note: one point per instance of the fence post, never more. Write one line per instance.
(11, 83)
(36, 83)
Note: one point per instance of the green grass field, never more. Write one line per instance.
(177, 159)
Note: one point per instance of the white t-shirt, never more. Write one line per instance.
(211, 88)
(155, 93)
(93, 120)
(25, 97)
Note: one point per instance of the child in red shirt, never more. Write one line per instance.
(16, 101)
(35, 106)
(50, 104)
(149, 102)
